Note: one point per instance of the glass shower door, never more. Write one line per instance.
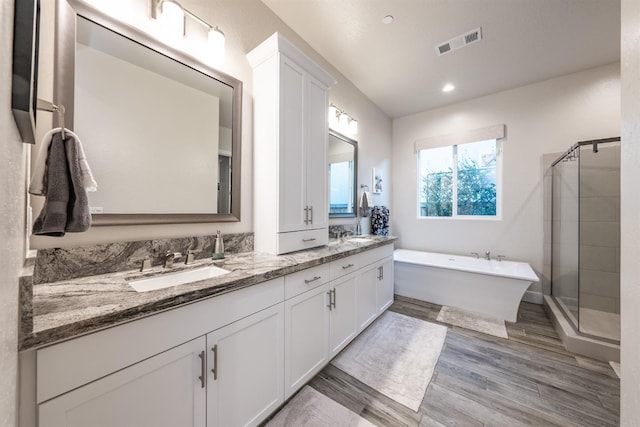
(566, 235)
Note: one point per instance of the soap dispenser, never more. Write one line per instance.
(218, 247)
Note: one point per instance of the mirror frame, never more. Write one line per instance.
(355, 176)
(63, 93)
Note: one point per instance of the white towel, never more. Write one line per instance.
(365, 204)
(37, 185)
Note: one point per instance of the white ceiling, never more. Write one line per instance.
(396, 66)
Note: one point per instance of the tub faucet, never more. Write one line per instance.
(487, 255)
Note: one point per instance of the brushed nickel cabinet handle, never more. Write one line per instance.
(215, 362)
(347, 266)
(312, 280)
(310, 239)
(306, 214)
(333, 291)
(329, 305)
(311, 210)
(203, 369)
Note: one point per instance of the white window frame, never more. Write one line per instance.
(454, 207)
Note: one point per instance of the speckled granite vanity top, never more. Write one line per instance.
(64, 309)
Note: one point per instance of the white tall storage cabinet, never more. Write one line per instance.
(290, 106)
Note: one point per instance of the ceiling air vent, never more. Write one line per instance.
(463, 40)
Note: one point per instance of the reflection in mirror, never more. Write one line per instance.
(160, 129)
(343, 159)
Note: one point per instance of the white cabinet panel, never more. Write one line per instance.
(306, 337)
(245, 369)
(316, 176)
(164, 390)
(366, 293)
(342, 315)
(385, 285)
(292, 153)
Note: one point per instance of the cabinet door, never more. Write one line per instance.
(306, 339)
(385, 285)
(366, 292)
(317, 104)
(164, 390)
(292, 215)
(342, 315)
(245, 369)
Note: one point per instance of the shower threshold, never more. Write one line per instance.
(586, 346)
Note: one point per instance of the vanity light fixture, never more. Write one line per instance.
(448, 87)
(342, 122)
(172, 16)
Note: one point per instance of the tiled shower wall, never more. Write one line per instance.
(600, 228)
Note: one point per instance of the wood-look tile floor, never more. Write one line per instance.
(481, 380)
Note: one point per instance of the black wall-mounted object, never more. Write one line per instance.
(26, 32)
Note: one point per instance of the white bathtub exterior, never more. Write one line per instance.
(494, 288)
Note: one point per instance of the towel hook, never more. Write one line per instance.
(365, 186)
(51, 107)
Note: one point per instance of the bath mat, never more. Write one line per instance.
(474, 321)
(396, 356)
(312, 408)
(616, 368)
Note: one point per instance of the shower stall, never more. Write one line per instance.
(585, 239)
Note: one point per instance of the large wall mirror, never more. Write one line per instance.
(160, 129)
(343, 162)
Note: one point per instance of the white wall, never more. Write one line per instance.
(246, 24)
(630, 214)
(12, 176)
(540, 118)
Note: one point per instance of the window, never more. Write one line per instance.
(460, 180)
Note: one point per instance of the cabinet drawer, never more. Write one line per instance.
(299, 240)
(352, 263)
(302, 281)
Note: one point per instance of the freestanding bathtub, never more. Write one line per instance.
(493, 287)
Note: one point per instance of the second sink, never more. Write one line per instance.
(177, 278)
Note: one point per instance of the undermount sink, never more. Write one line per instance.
(177, 278)
(360, 239)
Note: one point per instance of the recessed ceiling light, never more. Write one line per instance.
(448, 87)
(387, 19)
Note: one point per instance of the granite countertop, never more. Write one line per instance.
(65, 309)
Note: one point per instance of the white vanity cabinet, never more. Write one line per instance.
(290, 148)
(217, 362)
(162, 391)
(325, 314)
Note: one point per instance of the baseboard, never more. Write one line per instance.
(534, 297)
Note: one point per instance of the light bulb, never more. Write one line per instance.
(216, 41)
(353, 126)
(333, 117)
(172, 19)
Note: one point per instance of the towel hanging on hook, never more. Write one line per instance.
(51, 107)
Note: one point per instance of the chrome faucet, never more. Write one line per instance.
(169, 257)
(191, 255)
(500, 257)
(487, 255)
(476, 254)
